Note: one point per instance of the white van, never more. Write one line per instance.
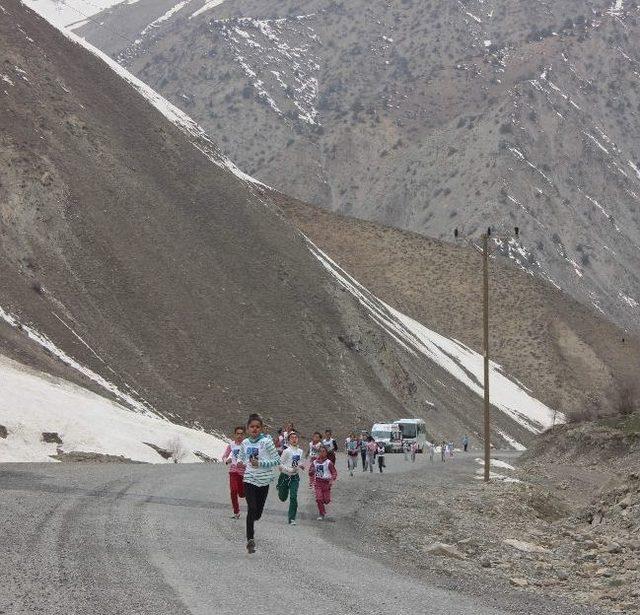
(413, 430)
(388, 434)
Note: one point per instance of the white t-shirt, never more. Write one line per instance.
(328, 444)
(314, 449)
(322, 470)
(291, 460)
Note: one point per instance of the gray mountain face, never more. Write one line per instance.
(426, 115)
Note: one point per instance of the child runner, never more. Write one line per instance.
(314, 450)
(323, 472)
(406, 446)
(443, 450)
(372, 449)
(289, 481)
(432, 451)
(236, 472)
(330, 444)
(259, 456)
(363, 450)
(380, 454)
(352, 445)
(465, 443)
(414, 451)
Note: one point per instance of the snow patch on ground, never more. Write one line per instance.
(496, 463)
(459, 360)
(32, 403)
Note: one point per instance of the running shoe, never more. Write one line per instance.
(235, 516)
(251, 546)
(321, 518)
(292, 521)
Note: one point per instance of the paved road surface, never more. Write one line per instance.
(138, 539)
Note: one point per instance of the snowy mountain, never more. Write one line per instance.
(423, 115)
(140, 264)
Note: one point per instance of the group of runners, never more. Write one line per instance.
(254, 456)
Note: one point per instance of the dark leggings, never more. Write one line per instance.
(255, 497)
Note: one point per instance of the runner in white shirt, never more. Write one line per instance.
(291, 462)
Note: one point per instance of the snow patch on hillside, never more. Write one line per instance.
(65, 13)
(194, 132)
(138, 405)
(206, 7)
(277, 57)
(160, 20)
(32, 403)
(459, 360)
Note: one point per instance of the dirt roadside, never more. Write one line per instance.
(518, 538)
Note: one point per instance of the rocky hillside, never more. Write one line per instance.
(423, 115)
(141, 263)
(568, 354)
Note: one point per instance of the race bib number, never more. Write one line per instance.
(252, 452)
(295, 460)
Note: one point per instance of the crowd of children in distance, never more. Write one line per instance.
(252, 457)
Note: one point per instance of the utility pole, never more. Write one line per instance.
(486, 253)
(485, 323)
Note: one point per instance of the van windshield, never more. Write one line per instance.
(409, 430)
(381, 435)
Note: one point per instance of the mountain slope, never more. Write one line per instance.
(141, 263)
(423, 115)
(568, 354)
(147, 264)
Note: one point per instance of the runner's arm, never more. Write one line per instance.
(274, 458)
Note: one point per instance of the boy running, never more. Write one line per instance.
(363, 450)
(330, 444)
(289, 481)
(323, 472)
(236, 472)
(352, 445)
(372, 449)
(380, 454)
(414, 451)
(258, 456)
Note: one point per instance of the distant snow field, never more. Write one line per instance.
(32, 403)
(65, 13)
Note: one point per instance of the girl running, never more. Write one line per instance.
(380, 454)
(323, 472)
(372, 449)
(236, 472)
(314, 450)
(258, 456)
(289, 481)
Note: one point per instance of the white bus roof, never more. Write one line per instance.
(410, 421)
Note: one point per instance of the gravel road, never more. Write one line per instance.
(141, 539)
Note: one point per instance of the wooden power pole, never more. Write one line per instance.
(485, 322)
(486, 253)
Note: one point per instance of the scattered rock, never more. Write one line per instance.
(3, 431)
(445, 550)
(88, 457)
(163, 452)
(518, 582)
(526, 547)
(51, 437)
(204, 457)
